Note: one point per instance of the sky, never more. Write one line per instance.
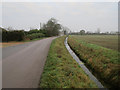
(75, 15)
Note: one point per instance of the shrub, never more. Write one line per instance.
(34, 35)
(12, 35)
(34, 31)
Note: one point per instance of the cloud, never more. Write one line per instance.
(0, 14)
(60, 0)
(76, 16)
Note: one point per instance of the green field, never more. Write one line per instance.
(62, 71)
(108, 41)
(100, 54)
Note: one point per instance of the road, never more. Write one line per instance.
(23, 64)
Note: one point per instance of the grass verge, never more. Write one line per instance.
(12, 43)
(102, 61)
(62, 71)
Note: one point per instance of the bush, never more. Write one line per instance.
(34, 35)
(4, 35)
(12, 35)
(20, 35)
(34, 31)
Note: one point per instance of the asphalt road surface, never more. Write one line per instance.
(23, 64)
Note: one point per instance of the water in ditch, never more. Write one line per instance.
(85, 69)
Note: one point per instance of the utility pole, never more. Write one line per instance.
(40, 25)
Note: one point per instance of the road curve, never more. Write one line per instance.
(22, 65)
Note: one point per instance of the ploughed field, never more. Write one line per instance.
(100, 54)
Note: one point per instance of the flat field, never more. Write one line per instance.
(62, 71)
(108, 41)
(100, 54)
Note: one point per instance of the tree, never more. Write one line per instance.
(82, 32)
(65, 30)
(52, 27)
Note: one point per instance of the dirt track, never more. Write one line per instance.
(23, 64)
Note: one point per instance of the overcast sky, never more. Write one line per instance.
(74, 15)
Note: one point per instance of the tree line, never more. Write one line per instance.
(51, 28)
(83, 32)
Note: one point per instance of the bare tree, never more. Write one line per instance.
(65, 30)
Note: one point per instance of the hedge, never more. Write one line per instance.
(20, 35)
(34, 35)
(12, 35)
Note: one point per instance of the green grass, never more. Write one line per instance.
(62, 71)
(107, 41)
(102, 61)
